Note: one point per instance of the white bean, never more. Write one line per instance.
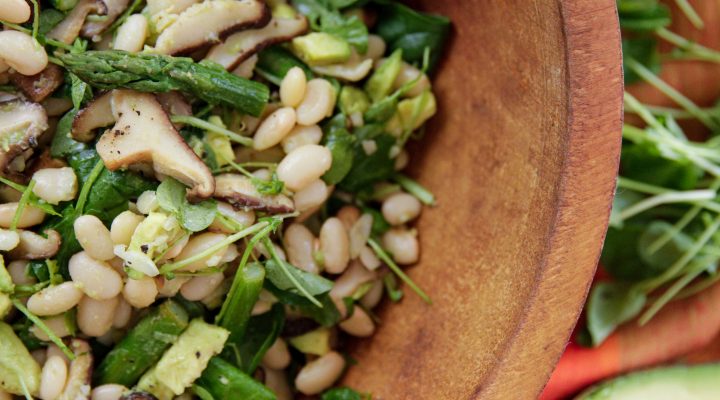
(8, 239)
(403, 245)
(359, 234)
(293, 86)
(369, 259)
(57, 324)
(95, 317)
(147, 202)
(320, 374)
(304, 165)
(274, 128)
(301, 135)
(312, 196)
(97, 279)
(110, 391)
(123, 313)
(30, 216)
(131, 34)
(318, 103)
(19, 272)
(401, 208)
(277, 356)
(123, 227)
(376, 47)
(23, 53)
(176, 248)
(140, 293)
(14, 11)
(54, 300)
(373, 296)
(359, 324)
(348, 215)
(335, 245)
(351, 280)
(277, 382)
(55, 184)
(53, 378)
(243, 218)
(170, 287)
(94, 237)
(197, 245)
(262, 174)
(200, 287)
(298, 242)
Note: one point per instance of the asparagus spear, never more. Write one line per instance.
(143, 346)
(238, 305)
(226, 382)
(159, 73)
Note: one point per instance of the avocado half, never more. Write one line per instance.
(698, 382)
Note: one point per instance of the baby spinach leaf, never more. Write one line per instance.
(49, 18)
(370, 168)
(62, 144)
(262, 331)
(660, 260)
(643, 15)
(171, 196)
(644, 50)
(342, 393)
(314, 284)
(340, 142)
(412, 31)
(328, 315)
(619, 255)
(609, 305)
(325, 17)
(645, 163)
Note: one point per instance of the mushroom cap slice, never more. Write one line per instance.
(240, 46)
(143, 133)
(80, 373)
(208, 22)
(97, 114)
(21, 124)
(41, 85)
(114, 9)
(239, 191)
(69, 28)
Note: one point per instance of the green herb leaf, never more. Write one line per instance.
(262, 331)
(341, 144)
(609, 305)
(645, 163)
(643, 15)
(327, 315)
(314, 284)
(171, 196)
(325, 17)
(343, 393)
(78, 91)
(644, 50)
(368, 169)
(63, 145)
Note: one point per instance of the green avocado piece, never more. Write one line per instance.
(674, 383)
(185, 361)
(320, 48)
(314, 342)
(17, 366)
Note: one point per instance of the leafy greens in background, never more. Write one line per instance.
(324, 16)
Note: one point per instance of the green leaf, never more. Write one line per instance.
(609, 305)
(262, 331)
(341, 143)
(171, 196)
(327, 316)
(78, 91)
(664, 257)
(314, 284)
(49, 18)
(643, 15)
(644, 163)
(368, 169)
(644, 50)
(62, 144)
(412, 31)
(325, 17)
(342, 393)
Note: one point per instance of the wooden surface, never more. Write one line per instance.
(522, 158)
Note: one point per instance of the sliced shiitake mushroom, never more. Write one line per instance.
(174, 103)
(80, 372)
(21, 125)
(143, 133)
(240, 46)
(138, 396)
(39, 86)
(33, 246)
(69, 28)
(97, 114)
(209, 22)
(92, 29)
(239, 191)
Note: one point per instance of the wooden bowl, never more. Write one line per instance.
(523, 159)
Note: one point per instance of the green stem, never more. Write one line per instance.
(399, 272)
(202, 124)
(269, 246)
(690, 13)
(124, 16)
(416, 189)
(690, 196)
(40, 324)
(85, 192)
(36, 18)
(167, 268)
(21, 205)
(649, 77)
(698, 51)
(668, 295)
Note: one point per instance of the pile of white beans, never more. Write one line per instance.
(108, 302)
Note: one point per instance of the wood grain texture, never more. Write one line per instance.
(523, 159)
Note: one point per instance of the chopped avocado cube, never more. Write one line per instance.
(320, 48)
(283, 10)
(412, 114)
(353, 100)
(5, 305)
(6, 283)
(17, 366)
(155, 233)
(220, 144)
(314, 342)
(380, 83)
(185, 361)
(674, 383)
(64, 5)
